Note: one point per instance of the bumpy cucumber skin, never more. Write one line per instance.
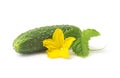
(31, 41)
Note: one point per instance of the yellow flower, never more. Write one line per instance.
(57, 46)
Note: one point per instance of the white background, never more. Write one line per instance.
(17, 16)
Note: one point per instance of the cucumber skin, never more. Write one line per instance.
(31, 41)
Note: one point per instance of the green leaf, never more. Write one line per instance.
(80, 46)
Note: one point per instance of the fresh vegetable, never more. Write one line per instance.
(31, 41)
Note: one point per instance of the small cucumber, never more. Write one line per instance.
(31, 41)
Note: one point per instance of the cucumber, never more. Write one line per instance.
(31, 41)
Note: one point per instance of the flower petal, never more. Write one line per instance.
(68, 42)
(58, 37)
(57, 53)
(49, 43)
(53, 53)
(64, 53)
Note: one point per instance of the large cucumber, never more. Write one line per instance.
(31, 41)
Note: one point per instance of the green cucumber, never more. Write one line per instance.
(31, 41)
